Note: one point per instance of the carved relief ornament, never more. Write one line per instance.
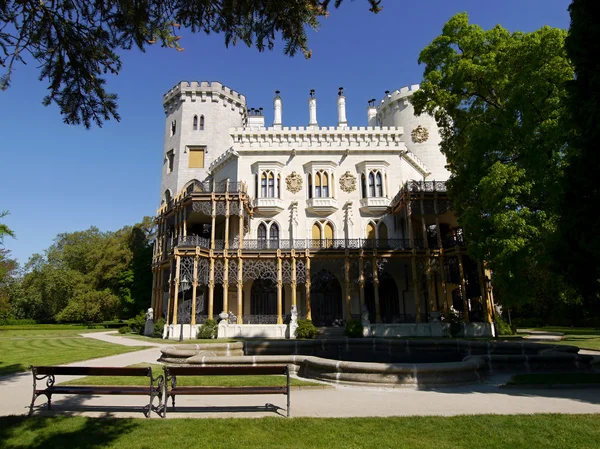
(420, 134)
(348, 182)
(293, 182)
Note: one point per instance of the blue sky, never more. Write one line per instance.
(58, 178)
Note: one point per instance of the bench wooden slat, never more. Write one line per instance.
(225, 370)
(226, 390)
(92, 371)
(74, 389)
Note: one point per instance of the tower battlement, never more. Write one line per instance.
(397, 95)
(203, 91)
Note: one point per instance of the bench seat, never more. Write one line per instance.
(226, 390)
(93, 389)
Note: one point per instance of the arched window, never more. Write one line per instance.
(261, 233)
(167, 196)
(363, 183)
(316, 232)
(278, 186)
(263, 185)
(195, 127)
(371, 185)
(173, 127)
(325, 183)
(274, 232)
(317, 185)
(383, 231)
(310, 186)
(256, 185)
(371, 234)
(271, 185)
(378, 186)
(328, 231)
(201, 123)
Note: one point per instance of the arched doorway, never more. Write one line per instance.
(389, 306)
(325, 299)
(263, 302)
(218, 300)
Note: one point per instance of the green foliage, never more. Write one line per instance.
(498, 98)
(137, 323)
(124, 330)
(354, 329)
(503, 327)
(75, 44)
(159, 327)
(4, 230)
(578, 245)
(306, 329)
(208, 330)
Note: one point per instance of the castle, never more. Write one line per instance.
(260, 225)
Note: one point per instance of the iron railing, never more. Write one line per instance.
(302, 244)
(419, 187)
(260, 319)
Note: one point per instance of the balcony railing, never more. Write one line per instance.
(419, 187)
(216, 187)
(302, 244)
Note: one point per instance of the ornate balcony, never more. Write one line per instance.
(268, 207)
(321, 206)
(374, 204)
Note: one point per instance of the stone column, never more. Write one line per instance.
(376, 290)
(484, 294)
(442, 263)
(411, 233)
(211, 287)
(241, 225)
(240, 297)
(168, 316)
(463, 288)
(176, 297)
(431, 288)
(294, 280)
(307, 286)
(225, 284)
(416, 286)
(279, 286)
(347, 279)
(194, 288)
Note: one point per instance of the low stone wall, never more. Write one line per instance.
(253, 330)
(432, 329)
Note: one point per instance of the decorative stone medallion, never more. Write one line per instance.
(293, 182)
(348, 182)
(420, 134)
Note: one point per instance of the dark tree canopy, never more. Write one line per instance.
(578, 255)
(76, 42)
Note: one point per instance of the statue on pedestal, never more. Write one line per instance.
(364, 320)
(149, 327)
(293, 322)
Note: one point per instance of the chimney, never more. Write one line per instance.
(312, 109)
(341, 103)
(372, 113)
(277, 111)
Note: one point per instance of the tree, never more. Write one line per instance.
(4, 230)
(76, 42)
(498, 98)
(578, 249)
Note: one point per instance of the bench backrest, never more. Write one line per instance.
(225, 370)
(92, 371)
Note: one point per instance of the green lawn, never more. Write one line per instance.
(216, 381)
(555, 379)
(481, 432)
(21, 346)
(582, 337)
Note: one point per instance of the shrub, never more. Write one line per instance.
(138, 323)
(503, 327)
(354, 329)
(306, 329)
(124, 330)
(17, 322)
(208, 330)
(159, 327)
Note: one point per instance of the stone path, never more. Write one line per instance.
(541, 336)
(341, 401)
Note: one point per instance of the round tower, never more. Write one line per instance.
(198, 118)
(421, 135)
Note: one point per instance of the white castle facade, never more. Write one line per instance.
(263, 224)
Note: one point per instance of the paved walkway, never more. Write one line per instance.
(341, 401)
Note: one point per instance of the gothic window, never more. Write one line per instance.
(322, 230)
(262, 232)
(371, 185)
(378, 186)
(256, 185)
(263, 184)
(274, 232)
(271, 185)
(167, 196)
(363, 183)
(195, 126)
(371, 234)
(278, 186)
(170, 160)
(325, 185)
(310, 186)
(321, 184)
(267, 235)
(201, 123)
(173, 127)
(317, 185)
(383, 231)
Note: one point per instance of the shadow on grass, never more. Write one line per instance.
(12, 369)
(19, 432)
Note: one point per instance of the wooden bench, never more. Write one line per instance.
(152, 390)
(172, 389)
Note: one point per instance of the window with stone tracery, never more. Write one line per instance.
(267, 235)
(270, 184)
(373, 184)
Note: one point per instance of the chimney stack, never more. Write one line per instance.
(372, 113)
(312, 109)
(341, 104)
(277, 111)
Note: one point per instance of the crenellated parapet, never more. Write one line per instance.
(317, 137)
(395, 97)
(203, 91)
